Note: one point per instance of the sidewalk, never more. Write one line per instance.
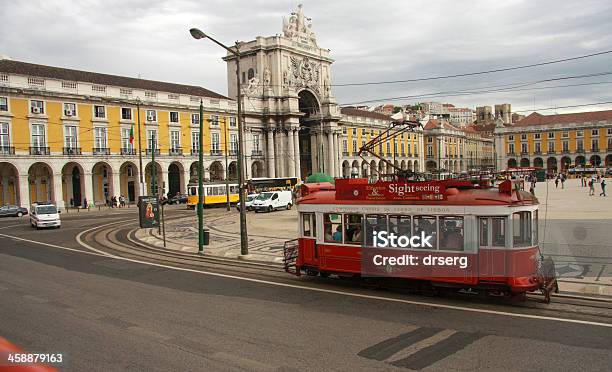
(267, 234)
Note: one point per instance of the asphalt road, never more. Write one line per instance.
(104, 314)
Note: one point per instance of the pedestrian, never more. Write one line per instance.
(562, 181)
(532, 190)
(591, 187)
(71, 203)
(557, 182)
(85, 205)
(603, 187)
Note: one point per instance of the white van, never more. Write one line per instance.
(249, 202)
(44, 215)
(272, 200)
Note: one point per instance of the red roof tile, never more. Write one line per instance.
(351, 111)
(578, 117)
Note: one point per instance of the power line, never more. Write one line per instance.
(476, 73)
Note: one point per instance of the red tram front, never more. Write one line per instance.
(492, 232)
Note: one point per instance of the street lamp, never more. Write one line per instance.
(244, 244)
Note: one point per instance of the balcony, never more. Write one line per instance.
(257, 154)
(233, 152)
(580, 151)
(565, 151)
(150, 152)
(128, 151)
(72, 151)
(195, 152)
(101, 151)
(39, 150)
(355, 153)
(345, 153)
(524, 153)
(551, 152)
(7, 150)
(537, 152)
(511, 153)
(215, 153)
(175, 152)
(595, 149)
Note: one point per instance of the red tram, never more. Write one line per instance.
(495, 229)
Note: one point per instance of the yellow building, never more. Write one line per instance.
(65, 135)
(456, 149)
(556, 142)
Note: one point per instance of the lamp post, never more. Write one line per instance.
(244, 244)
(200, 182)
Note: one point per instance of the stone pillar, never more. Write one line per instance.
(270, 154)
(277, 154)
(24, 191)
(69, 194)
(337, 161)
(38, 190)
(88, 187)
(314, 152)
(290, 154)
(166, 182)
(58, 197)
(330, 154)
(296, 153)
(116, 185)
(186, 178)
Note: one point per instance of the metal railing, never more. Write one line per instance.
(175, 152)
(215, 152)
(150, 152)
(7, 150)
(72, 151)
(128, 151)
(39, 150)
(257, 153)
(101, 151)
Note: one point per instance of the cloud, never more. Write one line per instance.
(370, 41)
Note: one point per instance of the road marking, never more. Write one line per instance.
(389, 347)
(420, 345)
(97, 252)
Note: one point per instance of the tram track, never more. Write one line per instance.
(120, 241)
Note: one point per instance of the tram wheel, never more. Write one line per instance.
(311, 272)
(324, 274)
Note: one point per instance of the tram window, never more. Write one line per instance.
(332, 226)
(483, 232)
(193, 191)
(429, 226)
(374, 222)
(352, 228)
(234, 189)
(400, 225)
(306, 224)
(521, 228)
(498, 229)
(451, 233)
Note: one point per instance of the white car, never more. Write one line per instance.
(44, 215)
(273, 200)
(249, 202)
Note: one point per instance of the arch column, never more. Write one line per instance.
(166, 183)
(330, 154)
(270, 154)
(314, 152)
(290, 153)
(186, 179)
(24, 190)
(88, 187)
(58, 195)
(116, 185)
(296, 152)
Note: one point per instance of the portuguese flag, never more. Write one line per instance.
(132, 134)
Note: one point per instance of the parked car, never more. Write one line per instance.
(12, 211)
(273, 200)
(178, 199)
(44, 215)
(249, 202)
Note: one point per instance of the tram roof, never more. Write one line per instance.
(455, 193)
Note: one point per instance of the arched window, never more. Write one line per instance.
(251, 73)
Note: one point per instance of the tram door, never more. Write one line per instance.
(492, 248)
(309, 241)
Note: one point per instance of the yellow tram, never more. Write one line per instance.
(214, 194)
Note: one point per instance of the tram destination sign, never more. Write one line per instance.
(429, 190)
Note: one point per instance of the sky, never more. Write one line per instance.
(370, 41)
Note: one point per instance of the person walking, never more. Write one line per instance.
(557, 182)
(85, 205)
(562, 180)
(591, 187)
(603, 187)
